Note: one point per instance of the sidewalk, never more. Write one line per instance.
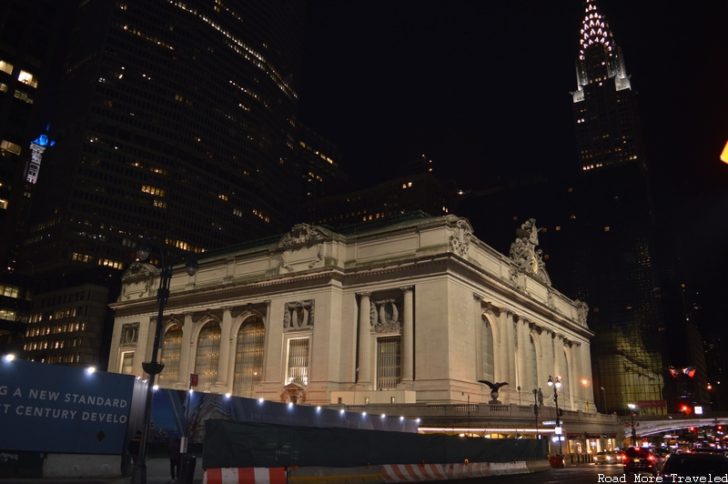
(157, 473)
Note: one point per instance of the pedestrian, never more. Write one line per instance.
(174, 458)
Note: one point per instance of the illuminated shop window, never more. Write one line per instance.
(3, 204)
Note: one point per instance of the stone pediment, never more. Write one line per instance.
(302, 248)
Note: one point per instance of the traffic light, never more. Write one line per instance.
(685, 408)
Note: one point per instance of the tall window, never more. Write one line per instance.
(388, 362)
(488, 356)
(208, 354)
(127, 360)
(249, 356)
(171, 346)
(297, 361)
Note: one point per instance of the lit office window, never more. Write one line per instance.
(6, 67)
(27, 78)
(10, 147)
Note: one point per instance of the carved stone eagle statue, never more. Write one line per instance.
(494, 387)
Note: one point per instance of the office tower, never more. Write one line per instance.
(30, 38)
(174, 121)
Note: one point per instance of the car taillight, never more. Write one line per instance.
(652, 458)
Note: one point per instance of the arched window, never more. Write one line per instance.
(249, 356)
(208, 354)
(171, 346)
(488, 355)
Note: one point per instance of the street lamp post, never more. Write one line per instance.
(632, 414)
(556, 384)
(153, 367)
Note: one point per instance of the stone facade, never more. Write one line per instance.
(416, 311)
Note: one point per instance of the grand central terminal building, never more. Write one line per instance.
(404, 317)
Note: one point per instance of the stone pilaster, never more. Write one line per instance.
(186, 352)
(408, 334)
(226, 341)
(365, 343)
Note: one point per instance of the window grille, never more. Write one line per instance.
(249, 357)
(171, 346)
(127, 360)
(208, 354)
(388, 362)
(298, 361)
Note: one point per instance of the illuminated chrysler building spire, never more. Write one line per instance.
(599, 56)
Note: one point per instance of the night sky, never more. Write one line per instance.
(484, 89)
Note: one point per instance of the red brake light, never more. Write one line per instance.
(652, 458)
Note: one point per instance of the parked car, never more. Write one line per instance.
(606, 457)
(699, 464)
(638, 460)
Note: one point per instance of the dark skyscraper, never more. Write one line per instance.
(172, 120)
(607, 131)
(614, 266)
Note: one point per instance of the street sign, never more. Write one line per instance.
(549, 422)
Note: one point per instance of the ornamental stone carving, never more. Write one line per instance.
(524, 253)
(385, 316)
(298, 315)
(460, 239)
(582, 311)
(302, 235)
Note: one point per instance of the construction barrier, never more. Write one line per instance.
(442, 472)
(245, 475)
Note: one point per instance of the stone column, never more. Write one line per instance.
(509, 350)
(364, 374)
(478, 335)
(225, 342)
(408, 334)
(185, 357)
(523, 347)
(586, 370)
(144, 345)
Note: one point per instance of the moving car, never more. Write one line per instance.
(638, 460)
(606, 457)
(701, 464)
